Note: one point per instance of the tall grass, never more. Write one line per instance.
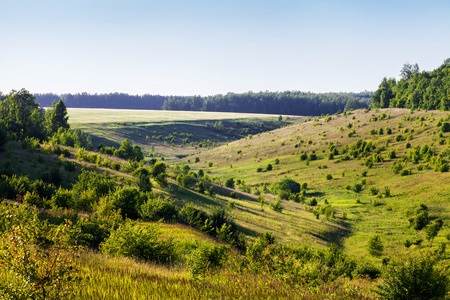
(113, 278)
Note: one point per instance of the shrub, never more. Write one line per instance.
(158, 209)
(414, 278)
(259, 170)
(140, 241)
(128, 200)
(276, 206)
(374, 190)
(206, 258)
(375, 246)
(329, 177)
(367, 270)
(269, 167)
(288, 184)
(230, 183)
(357, 187)
(445, 127)
(405, 172)
(36, 258)
(192, 216)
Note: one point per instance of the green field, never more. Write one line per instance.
(99, 115)
(170, 134)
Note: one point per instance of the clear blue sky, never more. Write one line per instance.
(207, 47)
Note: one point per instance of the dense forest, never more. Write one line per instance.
(111, 100)
(289, 102)
(415, 89)
(292, 103)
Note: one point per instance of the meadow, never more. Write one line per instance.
(363, 174)
(170, 134)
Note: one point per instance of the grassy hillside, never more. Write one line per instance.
(358, 215)
(171, 134)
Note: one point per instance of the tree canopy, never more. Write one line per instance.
(415, 89)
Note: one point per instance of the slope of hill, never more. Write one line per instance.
(386, 163)
(171, 134)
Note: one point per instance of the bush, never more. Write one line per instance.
(374, 190)
(329, 177)
(375, 246)
(367, 270)
(140, 241)
(288, 184)
(357, 187)
(192, 216)
(157, 209)
(276, 206)
(445, 127)
(405, 172)
(230, 183)
(414, 278)
(62, 198)
(269, 167)
(259, 170)
(206, 258)
(128, 200)
(36, 258)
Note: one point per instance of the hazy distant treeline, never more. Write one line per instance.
(289, 102)
(111, 100)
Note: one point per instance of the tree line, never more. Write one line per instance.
(415, 89)
(288, 102)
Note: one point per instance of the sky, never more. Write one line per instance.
(209, 47)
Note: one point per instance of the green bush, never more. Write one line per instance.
(158, 209)
(141, 241)
(445, 127)
(192, 216)
(128, 200)
(329, 177)
(276, 206)
(288, 184)
(367, 270)
(414, 278)
(357, 187)
(375, 246)
(207, 258)
(230, 183)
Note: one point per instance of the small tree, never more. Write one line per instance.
(230, 183)
(261, 201)
(433, 229)
(201, 187)
(375, 246)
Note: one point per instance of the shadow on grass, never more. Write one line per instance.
(247, 231)
(190, 196)
(336, 234)
(315, 194)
